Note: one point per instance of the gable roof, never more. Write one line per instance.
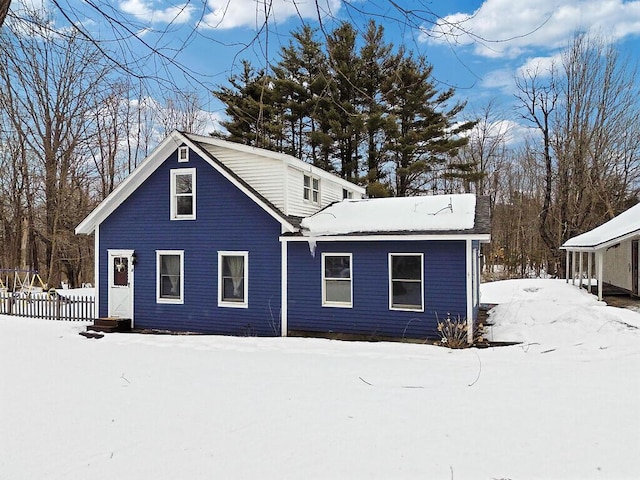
(462, 214)
(151, 164)
(624, 226)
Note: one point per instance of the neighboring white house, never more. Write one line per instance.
(614, 245)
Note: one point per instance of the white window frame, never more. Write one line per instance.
(226, 303)
(183, 154)
(406, 308)
(159, 255)
(310, 193)
(347, 194)
(174, 173)
(329, 303)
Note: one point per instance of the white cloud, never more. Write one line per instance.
(506, 28)
(541, 66)
(226, 14)
(144, 11)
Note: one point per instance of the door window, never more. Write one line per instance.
(120, 271)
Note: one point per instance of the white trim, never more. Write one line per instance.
(329, 303)
(482, 238)
(227, 303)
(177, 301)
(183, 149)
(173, 194)
(96, 272)
(469, 275)
(407, 254)
(602, 245)
(129, 253)
(284, 325)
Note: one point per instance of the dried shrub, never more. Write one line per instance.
(453, 332)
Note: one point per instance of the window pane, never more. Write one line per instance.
(307, 181)
(184, 205)
(315, 197)
(406, 267)
(120, 271)
(407, 294)
(316, 184)
(233, 272)
(337, 267)
(338, 291)
(232, 292)
(233, 265)
(170, 286)
(170, 265)
(184, 184)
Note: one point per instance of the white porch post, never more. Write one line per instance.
(284, 327)
(573, 267)
(580, 271)
(96, 271)
(589, 272)
(567, 262)
(599, 262)
(469, 251)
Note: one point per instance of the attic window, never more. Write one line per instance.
(311, 189)
(183, 154)
(347, 194)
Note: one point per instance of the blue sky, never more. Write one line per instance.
(475, 46)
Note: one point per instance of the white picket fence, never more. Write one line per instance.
(48, 305)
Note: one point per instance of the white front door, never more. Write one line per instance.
(121, 283)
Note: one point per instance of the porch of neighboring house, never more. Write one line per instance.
(585, 268)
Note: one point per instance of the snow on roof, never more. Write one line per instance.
(397, 214)
(627, 223)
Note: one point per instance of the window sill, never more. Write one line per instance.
(233, 305)
(337, 305)
(406, 308)
(170, 301)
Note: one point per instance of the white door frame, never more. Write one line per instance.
(111, 288)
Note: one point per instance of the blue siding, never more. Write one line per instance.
(444, 289)
(226, 220)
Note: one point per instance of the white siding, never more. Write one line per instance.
(330, 191)
(617, 265)
(279, 178)
(264, 174)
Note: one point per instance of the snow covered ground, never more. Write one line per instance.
(563, 404)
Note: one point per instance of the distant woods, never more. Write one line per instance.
(564, 161)
(579, 167)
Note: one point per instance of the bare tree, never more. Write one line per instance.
(538, 100)
(586, 111)
(483, 157)
(182, 112)
(4, 9)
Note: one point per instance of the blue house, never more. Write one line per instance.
(215, 237)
